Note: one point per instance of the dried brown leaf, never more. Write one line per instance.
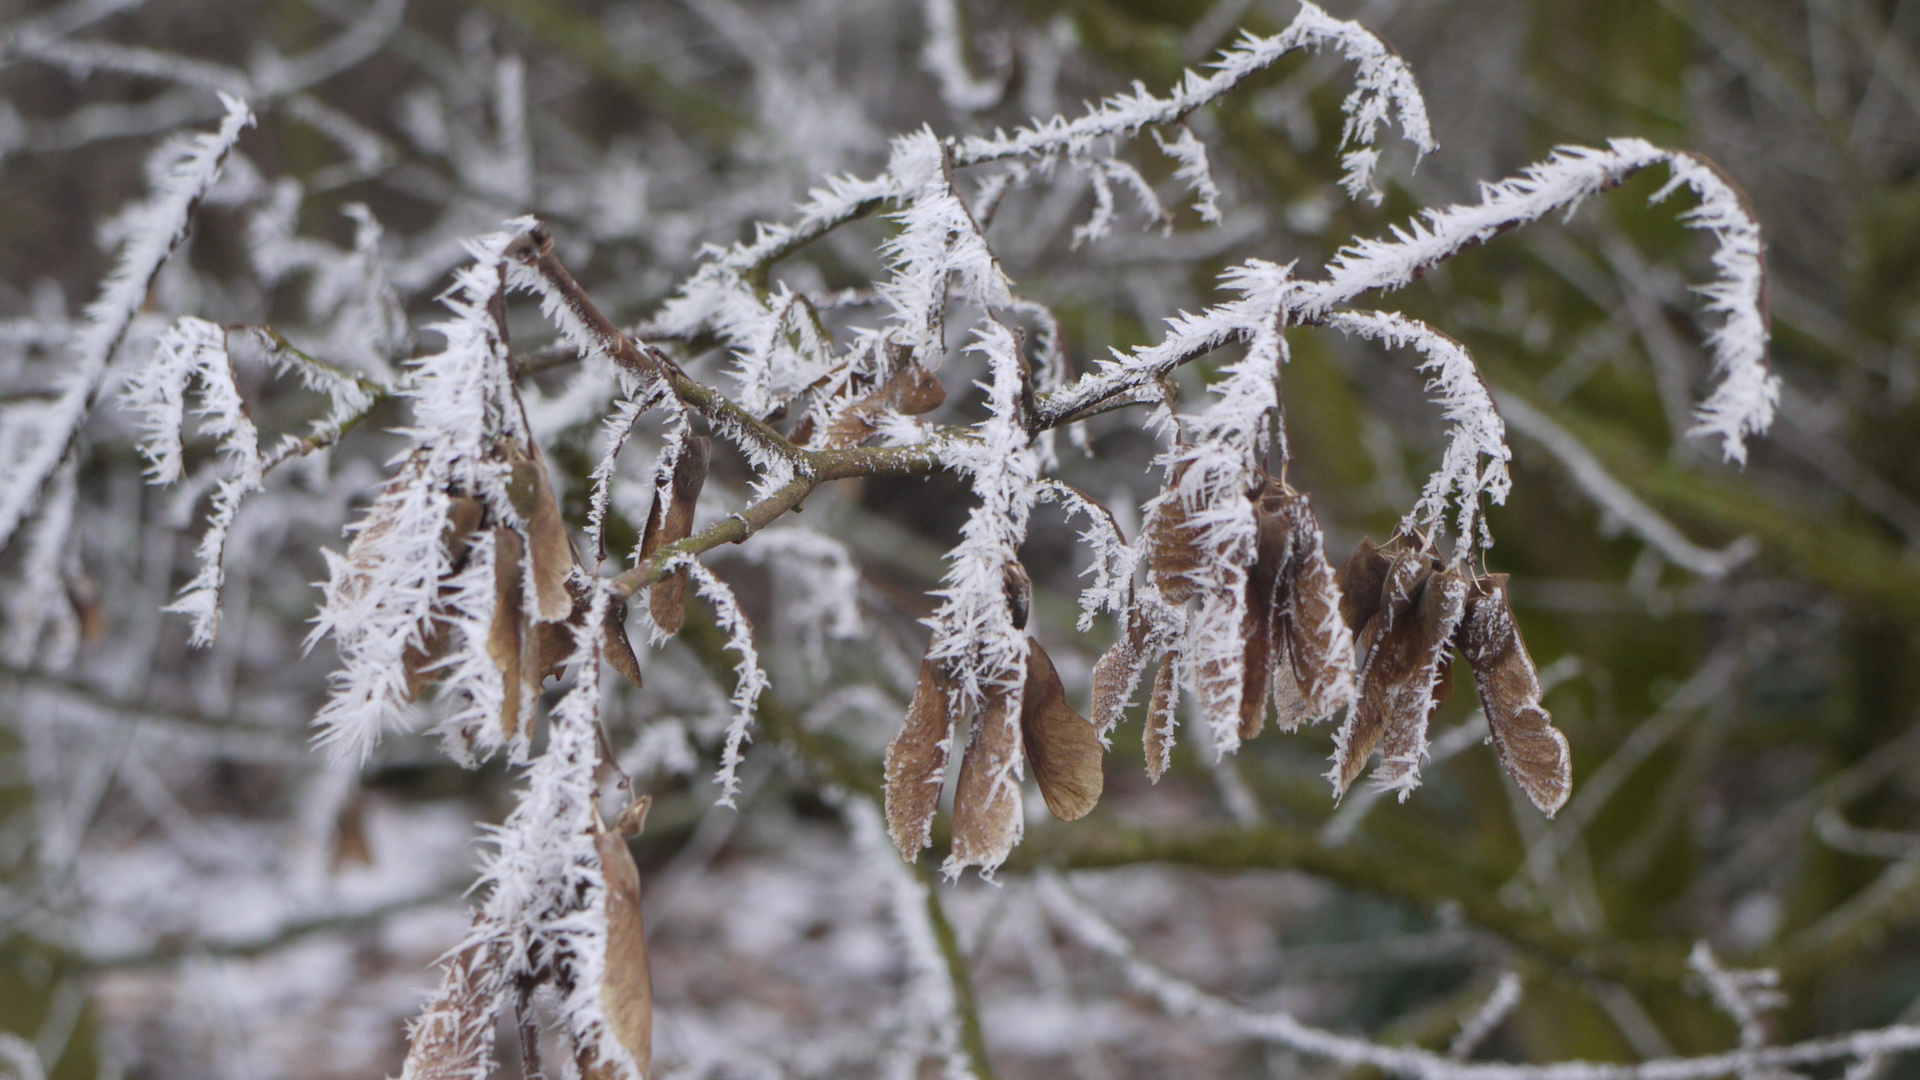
(1061, 745)
(917, 762)
(505, 634)
(1530, 748)
(1162, 718)
(986, 803)
(670, 523)
(912, 391)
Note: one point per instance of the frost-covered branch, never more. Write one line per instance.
(35, 438)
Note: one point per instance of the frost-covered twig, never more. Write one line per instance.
(749, 679)
(34, 439)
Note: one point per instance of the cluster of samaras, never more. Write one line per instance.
(1375, 639)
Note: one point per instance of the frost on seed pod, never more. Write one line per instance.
(1530, 748)
(986, 803)
(1411, 703)
(1162, 717)
(1319, 650)
(671, 521)
(1392, 658)
(505, 636)
(1174, 558)
(626, 986)
(917, 762)
(1117, 673)
(549, 547)
(1061, 745)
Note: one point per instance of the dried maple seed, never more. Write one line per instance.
(1172, 556)
(1161, 719)
(1390, 656)
(505, 633)
(1413, 702)
(626, 986)
(1060, 744)
(986, 802)
(1263, 626)
(1530, 748)
(1117, 673)
(1319, 648)
(917, 762)
(671, 521)
(548, 544)
(1361, 580)
(1019, 589)
(615, 646)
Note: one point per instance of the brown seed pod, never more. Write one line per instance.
(1530, 748)
(548, 543)
(917, 762)
(1162, 718)
(626, 986)
(615, 646)
(1318, 644)
(1172, 555)
(463, 517)
(1391, 657)
(1360, 581)
(1019, 590)
(1264, 624)
(1060, 744)
(670, 523)
(1117, 673)
(1411, 704)
(986, 803)
(505, 634)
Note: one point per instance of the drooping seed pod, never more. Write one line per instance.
(1117, 673)
(986, 802)
(1061, 745)
(549, 546)
(1173, 557)
(505, 634)
(1318, 645)
(1263, 627)
(917, 762)
(1362, 580)
(671, 521)
(1019, 590)
(1530, 748)
(615, 646)
(1162, 718)
(626, 986)
(1411, 703)
(1390, 658)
